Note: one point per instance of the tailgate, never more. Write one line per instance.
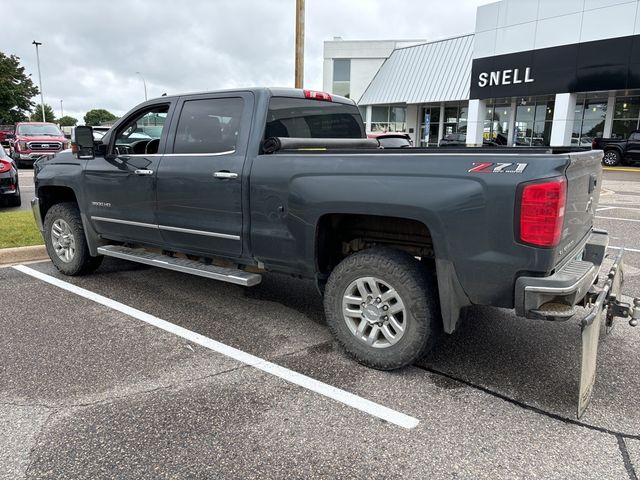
(584, 179)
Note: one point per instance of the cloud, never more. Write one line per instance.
(91, 50)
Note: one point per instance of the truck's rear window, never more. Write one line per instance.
(298, 117)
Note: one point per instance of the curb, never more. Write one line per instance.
(22, 254)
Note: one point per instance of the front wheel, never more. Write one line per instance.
(611, 158)
(382, 306)
(65, 240)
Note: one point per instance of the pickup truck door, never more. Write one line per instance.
(120, 187)
(633, 146)
(200, 179)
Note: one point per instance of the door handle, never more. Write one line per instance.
(225, 174)
(143, 172)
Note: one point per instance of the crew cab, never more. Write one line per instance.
(231, 184)
(35, 139)
(619, 151)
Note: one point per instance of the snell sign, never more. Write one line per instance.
(505, 77)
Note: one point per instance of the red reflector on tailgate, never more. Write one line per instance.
(542, 212)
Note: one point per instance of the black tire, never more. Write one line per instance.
(611, 158)
(81, 262)
(415, 285)
(15, 200)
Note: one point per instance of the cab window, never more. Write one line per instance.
(209, 126)
(142, 134)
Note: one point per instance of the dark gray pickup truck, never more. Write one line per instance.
(619, 151)
(230, 184)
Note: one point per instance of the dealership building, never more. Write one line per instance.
(534, 72)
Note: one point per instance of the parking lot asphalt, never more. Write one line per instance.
(87, 391)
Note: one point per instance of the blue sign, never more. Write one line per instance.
(427, 126)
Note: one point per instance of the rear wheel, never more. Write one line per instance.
(611, 158)
(15, 200)
(65, 240)
(382, 306)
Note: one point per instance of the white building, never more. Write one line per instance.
(535, 72)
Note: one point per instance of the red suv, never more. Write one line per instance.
(34, 139)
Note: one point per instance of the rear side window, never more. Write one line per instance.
(209, 126)
(302, 118)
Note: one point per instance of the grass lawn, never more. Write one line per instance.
(18, 229)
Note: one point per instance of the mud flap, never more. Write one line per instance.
(605, 306)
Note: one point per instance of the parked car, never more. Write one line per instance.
(392, 139)
(9, 188)
(454, 140)
(99, 131)
(285, 180)
(6, 132)
(619, 151)
(460, 140)
(35, 139)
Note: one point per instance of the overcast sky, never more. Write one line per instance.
(92, 49)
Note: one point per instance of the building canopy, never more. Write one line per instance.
(431, 72)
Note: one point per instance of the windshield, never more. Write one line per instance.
(45, 129)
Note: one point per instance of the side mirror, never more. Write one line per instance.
(84, 143)
(9, 136)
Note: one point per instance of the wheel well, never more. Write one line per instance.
(613, 148)
(339, 235)
(51, 195)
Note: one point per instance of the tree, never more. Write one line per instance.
(36, 116)
(16, 90)
(67, 121)
(98, 116)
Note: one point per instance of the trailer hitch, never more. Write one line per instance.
(623, 310)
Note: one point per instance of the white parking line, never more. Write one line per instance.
(342, 396)
(635, 250)
(635, 220)
(609, 207)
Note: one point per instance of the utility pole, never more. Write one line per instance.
(299, 80)
(61, 109)
(145, 86)
(37, 44)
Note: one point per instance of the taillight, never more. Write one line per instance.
(313, 95)
(542, 212)
(5, 166)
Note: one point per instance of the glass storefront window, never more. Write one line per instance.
(590, 114)
(627, 108)
(623, 128)
(626, 116)
(496, 125)
(388, 119)
(534, 117)
(429, 136)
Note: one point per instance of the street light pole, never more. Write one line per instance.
(61, 109)
(145, 86)
(37, 44)
(299, 72)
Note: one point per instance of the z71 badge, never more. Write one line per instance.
(482, 167)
